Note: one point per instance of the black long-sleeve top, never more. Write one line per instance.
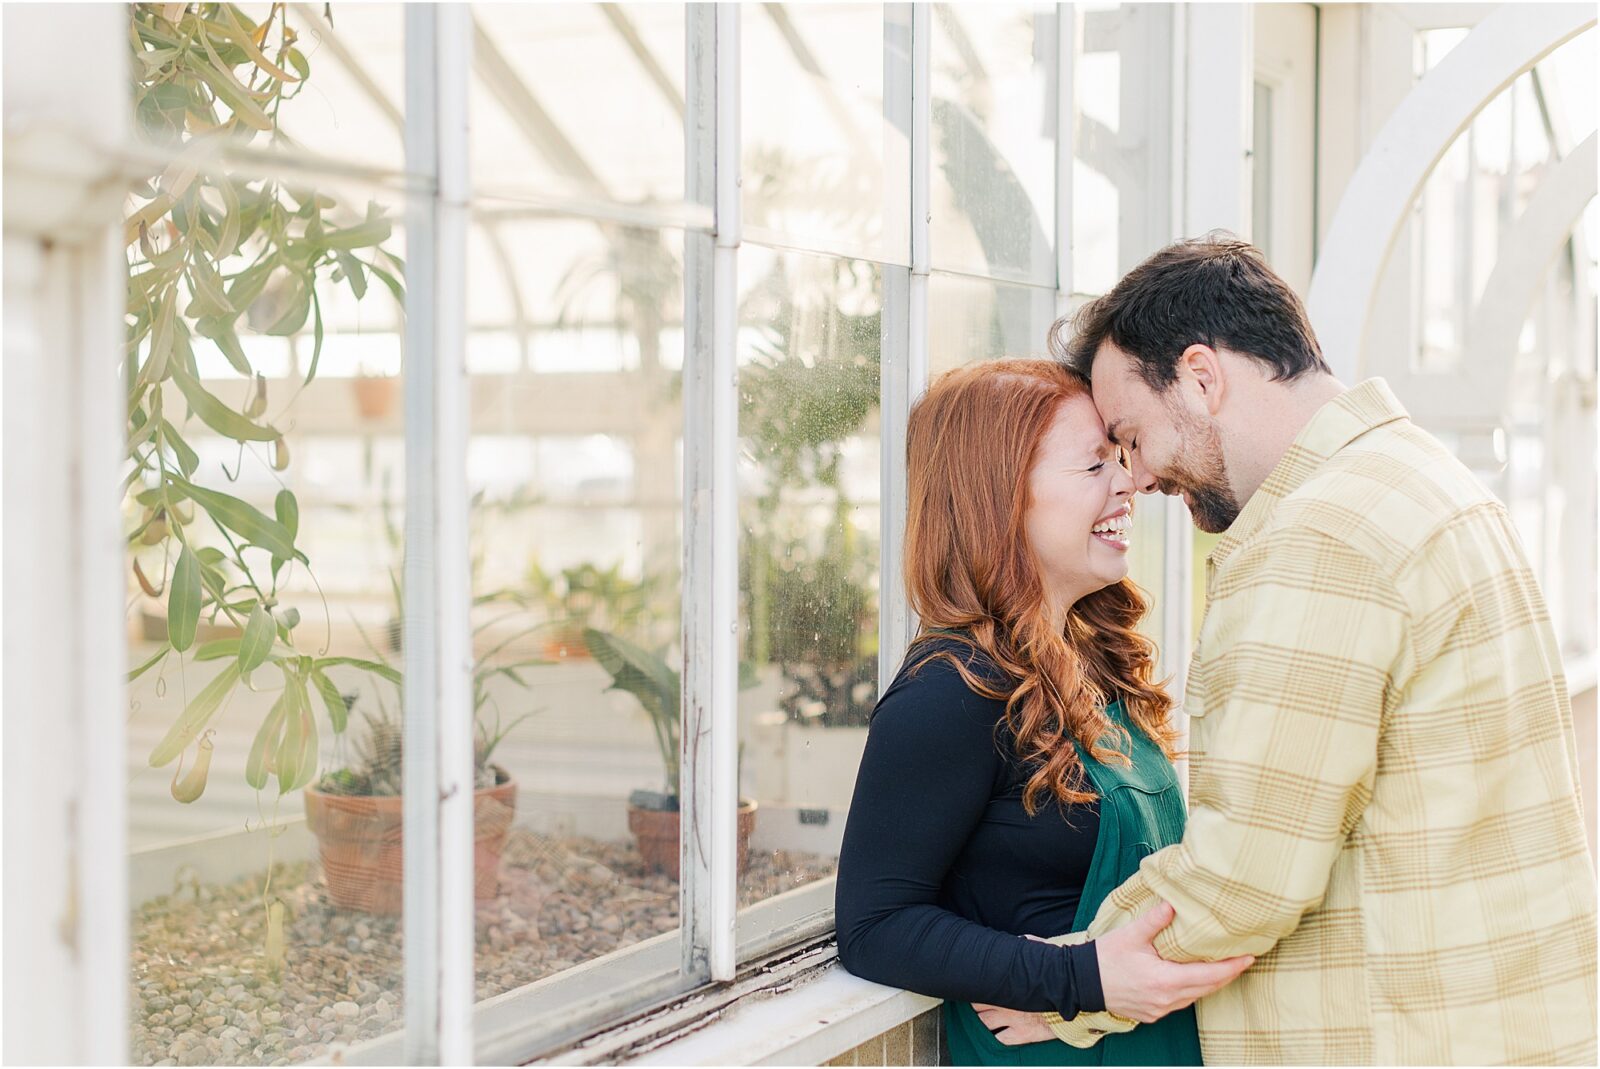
(942, 871)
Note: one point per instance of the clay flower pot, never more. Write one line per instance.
(656, 833)
(375, 395)
(360, 840)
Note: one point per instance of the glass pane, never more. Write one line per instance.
(263, 512)
(809, 340)
(1120, 192)
(299, 79)
(573, 464)
(579, 99)
(821, 167)
(969, 319)
(994, 90)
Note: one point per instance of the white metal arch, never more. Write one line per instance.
(1377, 201)
(1551, 215)
(1478, 391)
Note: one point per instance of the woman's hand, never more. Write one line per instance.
(1013, 1027)
(1141, 984)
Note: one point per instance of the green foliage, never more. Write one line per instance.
(653, 682)
(212, 255)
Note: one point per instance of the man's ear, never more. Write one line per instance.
(1201, 370)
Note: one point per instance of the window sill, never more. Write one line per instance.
(829, 1014)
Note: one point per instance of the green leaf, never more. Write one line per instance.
(188, 459)
(297, 306)
(259, 635)
(226, 86)
(248, 284)
(241, 518)
(297, 60)
(155, 365)
(206, 284)
(289, 748)
(216, 415)
(338, 711)
(640, 673)
(375, 230)
(376, 668)
(316, 335)
(306, 762)
(354, 273)
(194, 718)
(160, 655)
(268, 737)
(219, 328)
(288, 511)
(217, 649)
(183, 604)
(391, 282)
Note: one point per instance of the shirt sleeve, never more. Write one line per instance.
(927, 773)
(1294, 680)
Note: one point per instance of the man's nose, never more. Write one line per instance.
(1143, 481)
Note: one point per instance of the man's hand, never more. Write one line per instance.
(1140, 984)
(1014, 1027)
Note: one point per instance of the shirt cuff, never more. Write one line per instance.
(1085, 965)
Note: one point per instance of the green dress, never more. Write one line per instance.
(1141, 811)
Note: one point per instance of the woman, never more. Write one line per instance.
(1019, 766)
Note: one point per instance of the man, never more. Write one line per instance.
(1384, 801)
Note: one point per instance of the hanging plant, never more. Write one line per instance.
(209, 255)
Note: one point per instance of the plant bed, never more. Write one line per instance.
(202, 993)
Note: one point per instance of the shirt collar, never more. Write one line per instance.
(1333, 426)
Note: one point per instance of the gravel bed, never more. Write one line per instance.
(202, 993)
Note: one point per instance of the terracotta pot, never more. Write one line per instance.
(374, 395)
(359, 839)
(656, 833)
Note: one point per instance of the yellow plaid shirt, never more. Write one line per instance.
(1384, 799)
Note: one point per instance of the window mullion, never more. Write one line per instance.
(903, 364)
(709, 791)
(1066, 109)
(439, 917)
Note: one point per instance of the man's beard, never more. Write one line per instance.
(1201, 473)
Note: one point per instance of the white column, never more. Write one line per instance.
(67, 112)
(439, 943)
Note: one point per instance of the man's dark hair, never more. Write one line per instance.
(1215, 290)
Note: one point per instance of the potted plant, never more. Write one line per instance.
(584, 596)
(357, 815)
(654, 816)
(356, 812)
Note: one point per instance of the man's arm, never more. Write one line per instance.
(1298, 668)
(1296, 680)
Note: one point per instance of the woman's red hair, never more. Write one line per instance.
(971, 575)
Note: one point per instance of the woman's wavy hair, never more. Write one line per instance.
(972, 576)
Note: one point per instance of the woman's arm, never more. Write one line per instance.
(929, 770)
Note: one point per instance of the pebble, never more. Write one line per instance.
(202, 992)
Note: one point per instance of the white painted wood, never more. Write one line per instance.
(65, 883)
(699, 400)
(1378, 199)
(1285, 44)
(437, 700)
(807, 1026)
(719, 785)
(1219, 58)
